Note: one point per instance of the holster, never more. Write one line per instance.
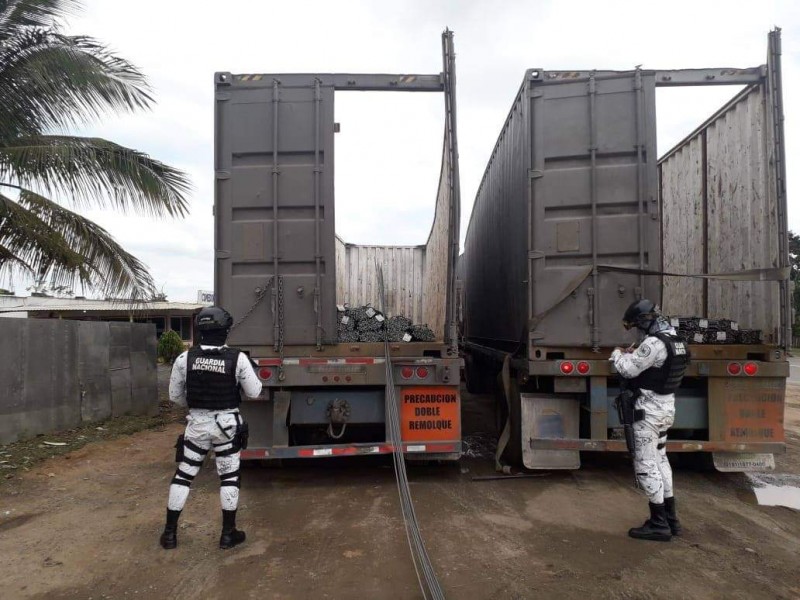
(628, 415)
(242, 434)
(179, 449)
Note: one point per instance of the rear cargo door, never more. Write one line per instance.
(593, 202)
(273, 201)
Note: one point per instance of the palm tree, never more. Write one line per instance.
(50, 82)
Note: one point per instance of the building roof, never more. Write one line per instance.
(63, 305)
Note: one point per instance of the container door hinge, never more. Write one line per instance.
(535, 173)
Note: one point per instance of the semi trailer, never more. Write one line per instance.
(576, 217)
(281, 271)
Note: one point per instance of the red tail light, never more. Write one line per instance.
(583, 368)
(406, 372)
(751, 369)
(734, 368)
(265, 373)
(567, 368)
(422, 372)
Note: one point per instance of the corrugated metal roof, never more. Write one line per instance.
(102, 306)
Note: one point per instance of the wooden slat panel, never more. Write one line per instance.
(357, 277)
(435, 272)
(683, 223)
(740, 218)
(742, 227)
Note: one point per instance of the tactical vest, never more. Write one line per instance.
(666, 378)
(211, 378)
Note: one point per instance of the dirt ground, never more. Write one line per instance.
(86, 525)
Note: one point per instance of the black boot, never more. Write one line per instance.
(230, 535)
(655, 528)
(672, 517)
(169, 539)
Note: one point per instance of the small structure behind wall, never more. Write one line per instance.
(166, 316)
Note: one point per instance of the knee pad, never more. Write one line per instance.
(230, 479)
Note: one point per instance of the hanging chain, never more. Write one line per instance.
(281, 375)
(261, 293)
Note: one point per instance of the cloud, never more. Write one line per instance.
(388, 152)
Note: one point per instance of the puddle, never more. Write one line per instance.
(479, 445)
(776, 490)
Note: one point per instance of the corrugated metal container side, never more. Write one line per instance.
(496, 244)
(720, 210)
(274, 183)
(571, 184)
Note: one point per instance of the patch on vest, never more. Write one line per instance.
(680, 349)
(214, 365)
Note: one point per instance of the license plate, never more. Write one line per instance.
(730, 462)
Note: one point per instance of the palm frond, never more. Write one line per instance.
(34, 13)
(70, 248)
(96, 172)
(52, 81)
(31, 240)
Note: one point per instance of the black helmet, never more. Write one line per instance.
(213, 318)
(640, 314)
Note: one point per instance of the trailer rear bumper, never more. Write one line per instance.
(419, 450)
(672, 446)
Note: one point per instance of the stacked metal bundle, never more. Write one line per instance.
(360, 324)
(698, 330)
(370, 336)
(346, 325)
(365, 324)
(373, 321)
(422, 333)
(397, 329)
(750, 336)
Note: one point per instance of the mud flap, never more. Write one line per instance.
(739, 462)
(505, 435)
(549, 416)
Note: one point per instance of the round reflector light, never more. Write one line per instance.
(265, 373)
(751, 369)
(734, 368)
(583, 368)
(567, 368)
(422, 372)
(406, 372)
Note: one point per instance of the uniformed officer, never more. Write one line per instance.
(208, 379)
(654, 371)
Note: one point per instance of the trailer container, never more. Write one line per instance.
(281, 271)
(575, 218)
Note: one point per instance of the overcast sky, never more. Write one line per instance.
(388, 152)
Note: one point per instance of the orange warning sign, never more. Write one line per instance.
(754, 420)
(430, 413)
(753, 412)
